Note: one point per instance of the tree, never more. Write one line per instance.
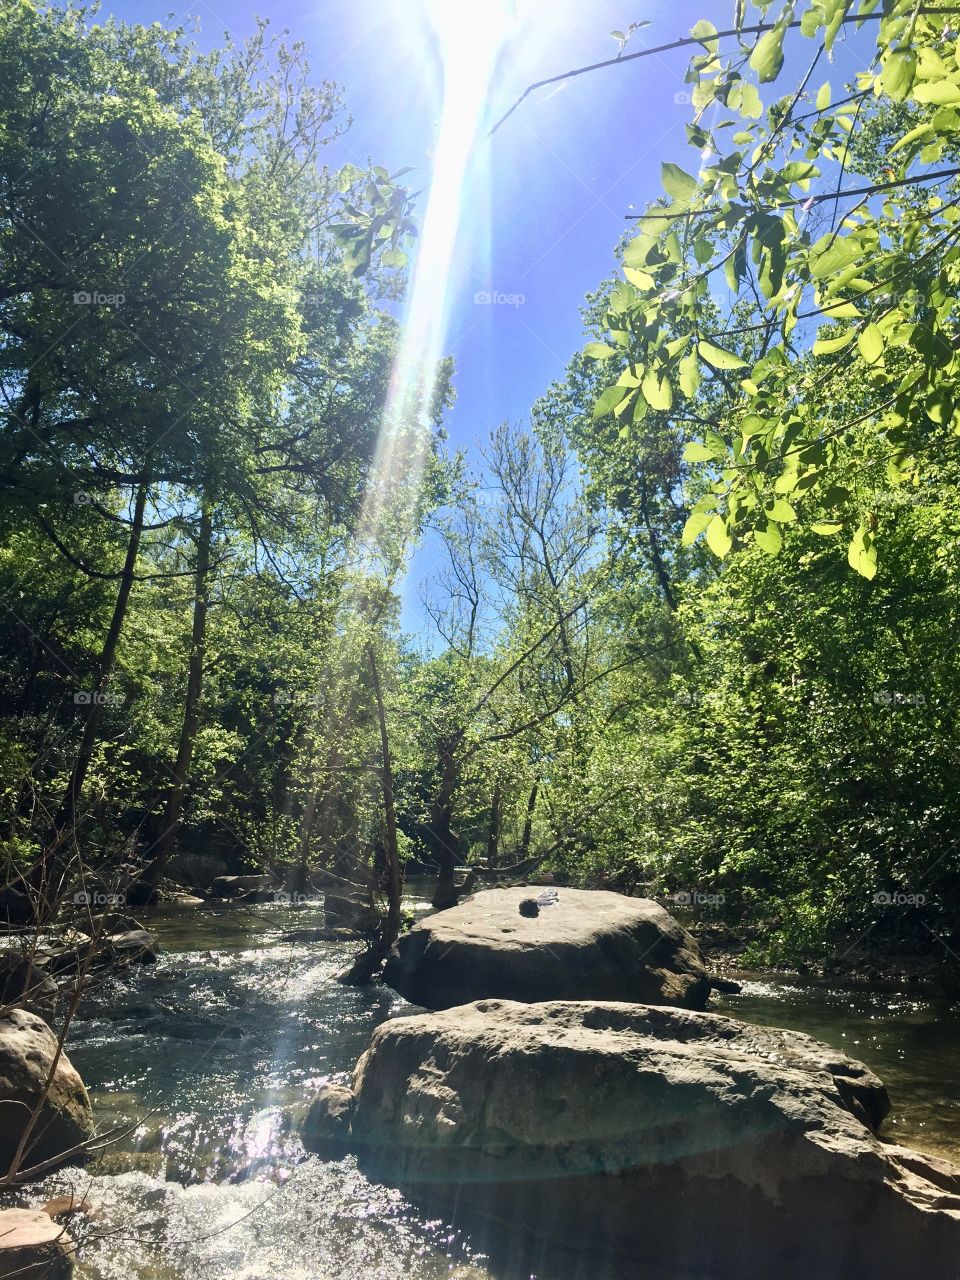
(139, 167)
(872, 293)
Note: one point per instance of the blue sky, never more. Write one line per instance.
(552, 188)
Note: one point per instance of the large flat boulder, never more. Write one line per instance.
(579, 945)
(65, 1119)
(654, 1138)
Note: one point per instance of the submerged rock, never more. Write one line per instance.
(349, 911)
(666, 1138)
(27, 1051)
(32, 1244)
(126, 942)
(582, 945)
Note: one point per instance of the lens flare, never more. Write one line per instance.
(470, 35)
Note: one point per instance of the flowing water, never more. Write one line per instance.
(196, 1059)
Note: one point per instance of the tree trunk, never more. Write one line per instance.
(441, 832)
(394, 875)
(301, 875)
(173, 809)
(493, 832)
(368, 962)
(528, 821)
(65, 821)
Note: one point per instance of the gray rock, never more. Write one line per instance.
(349, 911)
(589, 945)
(669, 1139)
(27, 1051)
(125, 942)
(15, 906)
(135, 946)
(235, 886)
(25, 984)
(33, 1245)
(180, 898)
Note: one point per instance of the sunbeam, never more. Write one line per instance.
(469, 37)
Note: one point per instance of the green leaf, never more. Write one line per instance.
(718, 537)
(939, 406)
(871, 343)
(767, 57)
(914, 135)
(638, 250)
(841, 310)
(719, 358)
(838, 252)
(689, 370)
(810, 22)
(751, 105)
(827, 346)
(862, 554)
(706, 33)
(677, 182)
(657, 391)
(827, 528)
(942, 93)
(769, 539)
(639, 279)
(608, 401)
(798, 171)
(599, 351)
(694, 452)
(394, 258)
(824, 95)
(781, 511)
(898, 74)
(695, 526)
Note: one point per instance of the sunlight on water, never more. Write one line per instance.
(326, 1223)
(912, 1042)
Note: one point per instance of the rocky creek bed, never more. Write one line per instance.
(198, 1055)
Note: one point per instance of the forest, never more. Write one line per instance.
(435, 858)
(201, 616)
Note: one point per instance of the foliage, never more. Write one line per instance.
(839, 377)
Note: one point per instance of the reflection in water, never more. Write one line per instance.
(199, 1056)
